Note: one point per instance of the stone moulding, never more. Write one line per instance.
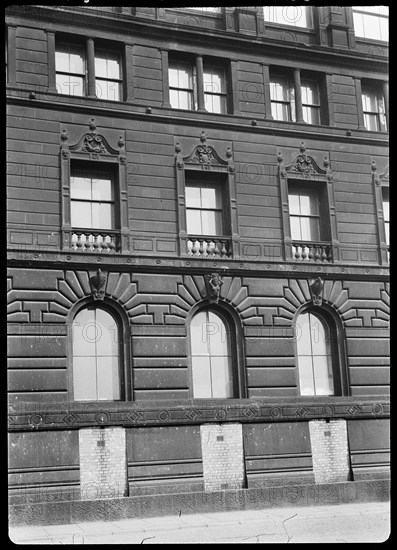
(75, 415)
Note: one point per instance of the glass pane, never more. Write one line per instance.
(311, 115)
(221, 377)
(84, 378)
(102, 215)
(370, 101)
(193, 197)
(306, 382)
(280, 111)
(107, 343)
(296, 233)
(200, 330)
(107, 90)
(387, 232)
(218, 335)
(319, 336)
(108, 378)
(193, 222)
(100, 66)
(294, 204)
(211, 221)
(209, 198)
(308, 203)
(386, 209)
(101, 188)
(309, 229)
(69, 85)
(323, 377)
(214, 80)
(80, 187)
(303, 339)
(279, 89)
(80, 214)
(62, 61)
(201, 377)
(84, 333)
(76, 61)
(214, 103)
(371, 122)
(174, 99)
(358, 24)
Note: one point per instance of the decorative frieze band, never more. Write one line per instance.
(74, 415)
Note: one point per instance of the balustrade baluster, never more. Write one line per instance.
(210, 249)
(201, 249)
(195, 248)
(304, 253)
(297, 252)
(216, 248)
(311, 255)
(223, 249)
(79, 243)
(104, 243)
(95, 243)
(324, 256)
(316, 253)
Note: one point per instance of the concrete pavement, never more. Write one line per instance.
(361, 522)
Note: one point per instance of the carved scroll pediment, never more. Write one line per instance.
(205, 155)
(92, 142)
(305, 166)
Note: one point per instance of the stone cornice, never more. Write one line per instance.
(162, 30)
(146, 264)
(227, 122)
(24, 416)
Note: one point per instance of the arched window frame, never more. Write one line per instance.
(120, 319)
(232, 319)
(328, 316)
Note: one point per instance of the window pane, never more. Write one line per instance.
(310, 230)
(296, 233)
(200, 330)
(76, 61)
(107, 343)
(211, 222)
(370, 101)
(279, 89)
(306, 382)
(319, 336)
(62, 61)
(294, 204)
(218, 335)
(184, 100)
(371, 122)
(193, 222)
(384, 29)
(107, 90)
(280, 111)
(323, 378)
(101, 188)
(303, 339)
(214, 104)
(174, 99)
(214, 80)
(201, 377)
(209, 198)
(80, 214)
(311, 115)
(84, 333)
(386, 209)
(100, 66)
(193, 197)
(102, 215)
(308, 203)
(84, 378)
(80, 188)
(69, 85)
(221, 377)
(108, 378)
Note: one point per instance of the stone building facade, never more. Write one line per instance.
(198, 295)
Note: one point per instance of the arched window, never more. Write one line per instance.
(96, 356)
(211, 340)
(315, 356)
